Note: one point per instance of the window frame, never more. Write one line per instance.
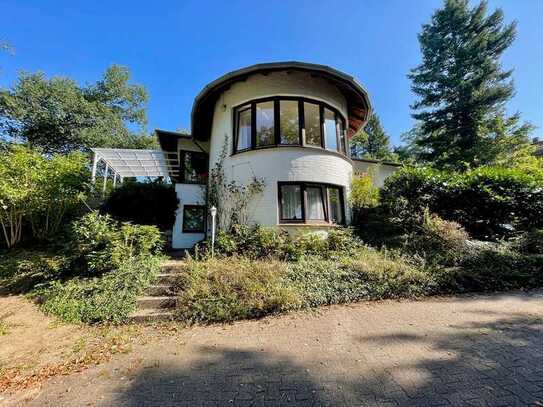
(277, 124)
(341, 202)
(184, 226)
(325, 201)
(182, 175)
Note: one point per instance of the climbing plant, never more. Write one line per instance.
(230, 197)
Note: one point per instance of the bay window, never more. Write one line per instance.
(308, 202)
(244, 128)
(265, 134)
(312, 121)
(290, 126)
(288, 121)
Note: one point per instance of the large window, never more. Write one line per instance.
(194, 218)
(312, 121)
(288, 121)
(306, 202)
(290, 126)
(193, 167)
(244, 128)
(265, 128)
(330, 130)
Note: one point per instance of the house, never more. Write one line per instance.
(286, 123)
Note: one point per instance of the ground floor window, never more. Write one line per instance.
(308, 202)
(194, 218)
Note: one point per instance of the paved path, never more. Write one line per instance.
(476, 350)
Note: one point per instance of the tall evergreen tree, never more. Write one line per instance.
(462, 87)
(373, 142)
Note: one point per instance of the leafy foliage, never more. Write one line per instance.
(229, 197)
(462, 88)
(438, 240)
(99, 244)
(143, 203)
(373, 142)
(109, 298)
(59, 116)
(39, 189)
(110, 265)
(531, 242)
(488, 202)
(272, 243)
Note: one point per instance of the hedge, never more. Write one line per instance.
(489, 202)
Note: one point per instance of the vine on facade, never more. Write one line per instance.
(229, 197)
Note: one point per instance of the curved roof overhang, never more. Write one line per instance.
(358, 102)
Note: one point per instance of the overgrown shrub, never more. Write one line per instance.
(260, 242)
(233, 288)
(111, 264)
(109, 298)
(38, 191)
(531, 242)
(488, 202)
(369, 274)
(99, 244)
(143, 203)
(499, 268)
(438, 240)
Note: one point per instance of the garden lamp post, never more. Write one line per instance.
(213, 212)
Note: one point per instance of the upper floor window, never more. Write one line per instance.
(193, 167)
(288, 121)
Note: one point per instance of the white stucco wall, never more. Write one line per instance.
(380, 171)
(188, 194)
(281, 163)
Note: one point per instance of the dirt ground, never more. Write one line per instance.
(465, 350)
(35, 347)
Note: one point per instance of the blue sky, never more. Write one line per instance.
(174, 48)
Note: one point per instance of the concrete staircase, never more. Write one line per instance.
(159, 300)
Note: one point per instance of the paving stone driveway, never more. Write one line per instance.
(468, 350)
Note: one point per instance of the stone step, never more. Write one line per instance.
(156, 302)
(166, 279)
(152, 315)
(160, 290)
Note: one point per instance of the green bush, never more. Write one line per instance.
(499, 269)
(488, 202)
(110, 265)
(233, 288)
(531, 242)
(268, 242)
(438, 240)
(37, 192)
(369, 274)
(99, 244)
(143, 203)
(109, 298)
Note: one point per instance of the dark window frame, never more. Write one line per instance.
(324, 196)
(277, 124)
(182, 156)
(341, 201)
(184, 226)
